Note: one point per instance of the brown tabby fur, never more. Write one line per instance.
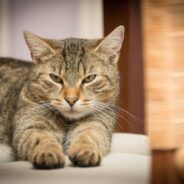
(37, 119)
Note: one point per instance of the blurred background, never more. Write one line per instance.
(84, 19)
(51, 19)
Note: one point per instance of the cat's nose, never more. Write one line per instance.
(71, 100)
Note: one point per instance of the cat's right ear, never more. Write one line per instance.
(38, 47)
(111, 44)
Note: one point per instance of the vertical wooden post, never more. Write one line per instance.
(163, 30)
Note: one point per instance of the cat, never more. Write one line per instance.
(62, 102)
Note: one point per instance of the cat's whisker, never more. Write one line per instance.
(108, 115)
(103, 113)
(120, 110)
(118, 118)
(85, 105)
(120, 114)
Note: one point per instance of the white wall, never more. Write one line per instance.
(48, 18)
(4, 27)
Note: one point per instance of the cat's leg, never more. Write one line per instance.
(38, 145)
(6, 153)
(89, 142)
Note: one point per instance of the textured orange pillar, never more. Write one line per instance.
(163, 34)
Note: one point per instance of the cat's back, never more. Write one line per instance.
(13, 70)
(12, 63)
(13, 74)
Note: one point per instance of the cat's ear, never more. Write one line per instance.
(111, 44)
(38, 47)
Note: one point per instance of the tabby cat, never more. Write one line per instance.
(62, 103)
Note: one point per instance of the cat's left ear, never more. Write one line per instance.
(111, 44)
(38, 47)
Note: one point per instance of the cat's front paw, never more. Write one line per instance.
(84, 156)
(48, 158)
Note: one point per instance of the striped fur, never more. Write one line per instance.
(50, 108)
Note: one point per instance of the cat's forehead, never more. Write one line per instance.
(75, 46)
(76, 55)
(73, 53)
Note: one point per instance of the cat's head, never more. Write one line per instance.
(76, 76)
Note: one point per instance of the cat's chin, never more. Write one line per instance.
(74, 115)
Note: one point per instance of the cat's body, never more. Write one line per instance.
(13, 74)
(62, 104)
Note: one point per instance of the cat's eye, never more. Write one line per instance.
(89, 78)
(56, 78)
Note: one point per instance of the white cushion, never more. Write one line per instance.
(130, 143)
(128, 163)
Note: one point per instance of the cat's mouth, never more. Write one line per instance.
(74, 112)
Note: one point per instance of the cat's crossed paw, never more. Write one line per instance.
(83, 155)
(50, 157)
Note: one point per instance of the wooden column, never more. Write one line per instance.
(163, 30)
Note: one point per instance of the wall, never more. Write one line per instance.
(52, 19)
